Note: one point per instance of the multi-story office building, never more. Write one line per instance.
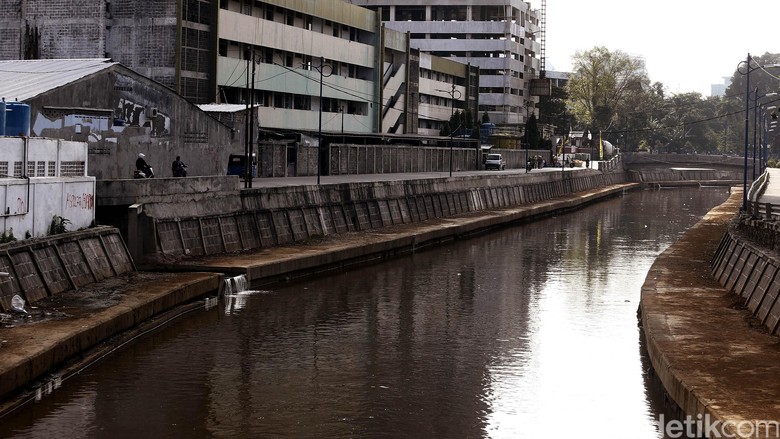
(498, 36)
(307, 64)
(331, 64)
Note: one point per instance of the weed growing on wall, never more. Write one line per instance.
(58, 225)
(7, 237)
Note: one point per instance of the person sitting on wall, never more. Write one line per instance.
(178, 168)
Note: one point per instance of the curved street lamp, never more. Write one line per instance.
(748, 69)
(762, 143)
(454, 94)
(756, 146)
(320, 69)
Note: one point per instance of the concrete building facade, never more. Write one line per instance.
(118, 114)
(42, 180)
(212, 51)
(170, 41)
(281, 52)
(498, 36)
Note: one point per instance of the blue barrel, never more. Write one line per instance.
(17, 119)
(2, 117)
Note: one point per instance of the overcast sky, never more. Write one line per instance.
(686, 44)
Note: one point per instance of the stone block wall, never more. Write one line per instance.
(277, 216)
(48, 266)
(751, 273)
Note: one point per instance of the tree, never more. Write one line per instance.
(532, 136)
(601, 80)
(554, 111)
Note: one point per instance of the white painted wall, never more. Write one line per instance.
(28, 203)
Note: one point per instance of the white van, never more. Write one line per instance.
(495, 161)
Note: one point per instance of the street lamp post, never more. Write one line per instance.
(454, 94)
(747, 71)
(319, 132)
(765, 134)
(756, 143)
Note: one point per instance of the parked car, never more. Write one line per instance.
(237, 166)
(495, 161)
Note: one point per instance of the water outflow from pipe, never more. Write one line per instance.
(236, 284)
(237, 290)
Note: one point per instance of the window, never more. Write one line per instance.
(72, 169)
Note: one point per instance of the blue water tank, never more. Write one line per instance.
(2, 117)
(17, 119)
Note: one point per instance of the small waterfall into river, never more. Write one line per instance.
(236, 284)
(237, 291)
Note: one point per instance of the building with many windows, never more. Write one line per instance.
(306, 65)
(332, 66)
(498, 36)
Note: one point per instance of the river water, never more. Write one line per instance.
(527, 332)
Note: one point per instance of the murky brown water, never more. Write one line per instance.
(527, 332)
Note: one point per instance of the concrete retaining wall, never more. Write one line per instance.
(276, 216)
(668, 175)
(49, 266)
(749, 272)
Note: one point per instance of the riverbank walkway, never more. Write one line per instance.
(772, 193)
(711, 356)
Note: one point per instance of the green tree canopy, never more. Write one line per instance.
(601, 81)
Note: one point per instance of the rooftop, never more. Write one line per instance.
(21, 80)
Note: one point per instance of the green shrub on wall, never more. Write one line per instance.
(7, 237)
(58, 225)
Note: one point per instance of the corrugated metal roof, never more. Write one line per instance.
(223, 108)
(21, 80)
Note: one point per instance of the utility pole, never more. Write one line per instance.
(319, 142)
(454, 94)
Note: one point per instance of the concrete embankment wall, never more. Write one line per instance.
(283, 215)
(746, 264)
(49, 266)
(682, 176)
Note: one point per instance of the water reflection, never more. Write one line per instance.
(527, 332)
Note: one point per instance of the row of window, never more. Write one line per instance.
(493, 72)
(470, 54)
(265, 98)
(292, 60)
(500, 108)
(452, 13)
(278, 14)
(502, 90)
(43, 169)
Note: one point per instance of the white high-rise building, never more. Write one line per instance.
(498, 36)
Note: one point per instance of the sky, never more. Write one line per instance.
(688, 45)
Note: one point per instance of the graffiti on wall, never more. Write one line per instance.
(95, 127)
(80, 201)
(135, 114)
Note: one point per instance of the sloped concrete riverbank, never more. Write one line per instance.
(715, 361)
(36, 358)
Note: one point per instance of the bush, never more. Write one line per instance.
(7, 237)
(58, 225)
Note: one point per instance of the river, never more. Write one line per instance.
(530, 331)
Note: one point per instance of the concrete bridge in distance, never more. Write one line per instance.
(638, 160)
(685, 169)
